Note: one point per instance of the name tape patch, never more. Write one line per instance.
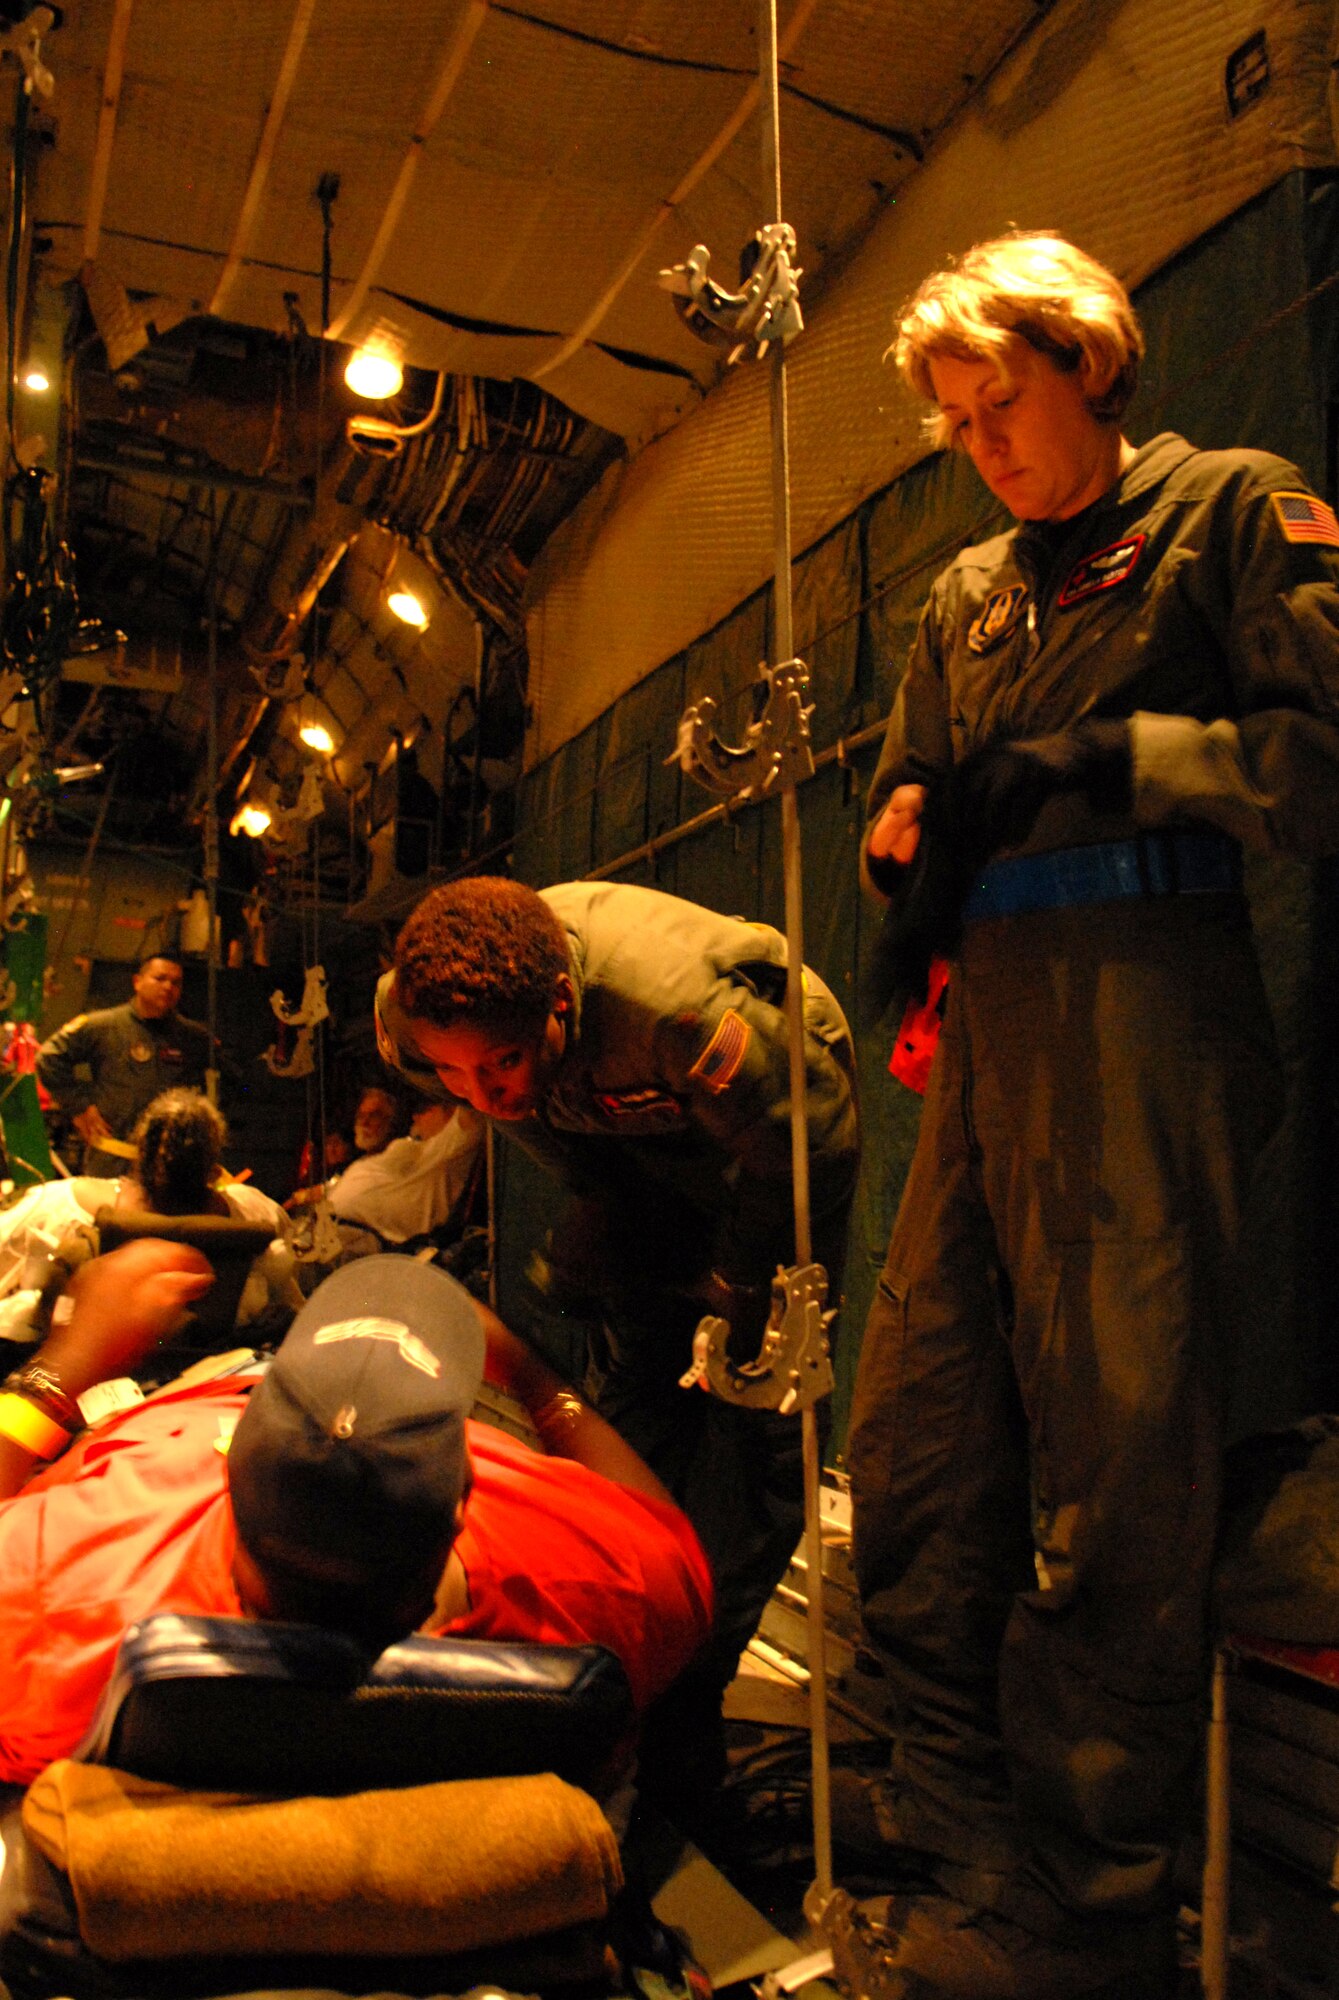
(1304, 517)
(1101, 571)
(629, 1103)
(719, 1063)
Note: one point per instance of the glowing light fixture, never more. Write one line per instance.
(373, 373)
(408, 608)
(37, 380)
(250, 818)
(316, 736)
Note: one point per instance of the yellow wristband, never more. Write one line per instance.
(24, 1424)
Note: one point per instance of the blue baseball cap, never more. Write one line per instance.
(349, 1460)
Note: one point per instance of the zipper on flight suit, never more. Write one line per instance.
(1042, 589)
(1016, 658)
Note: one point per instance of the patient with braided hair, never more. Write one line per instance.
(178, 1141)
(177, 1171)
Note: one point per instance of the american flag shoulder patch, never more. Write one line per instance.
(1304, 517)
(719, 1063)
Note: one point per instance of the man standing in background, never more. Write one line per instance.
(130, 1053)
(635, 1045)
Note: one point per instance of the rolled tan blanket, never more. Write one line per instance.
(161, 1873)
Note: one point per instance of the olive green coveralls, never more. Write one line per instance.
(668, 1122)
(1037, 1426)
(130, 1061)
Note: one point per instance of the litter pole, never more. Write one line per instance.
(793, 1367)
(784, 649)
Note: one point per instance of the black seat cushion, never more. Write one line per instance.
(232, 1704)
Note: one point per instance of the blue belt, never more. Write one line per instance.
(1152, 864)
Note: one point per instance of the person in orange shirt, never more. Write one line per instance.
(346, 1487)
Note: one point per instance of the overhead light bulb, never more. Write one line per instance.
(317, 737)
(37, 380)
(408, 608)
(250, 818)
(373, 373)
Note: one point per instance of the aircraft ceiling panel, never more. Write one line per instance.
(538, 165)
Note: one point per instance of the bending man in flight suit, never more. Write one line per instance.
(635, 1045)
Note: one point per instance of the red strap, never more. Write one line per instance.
(913, 1051)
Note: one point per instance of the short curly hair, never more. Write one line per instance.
(1036, 288)
(483, 952)
(179, 1141)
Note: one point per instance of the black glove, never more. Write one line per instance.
(994, 796)
(922, 921)
(988, 801)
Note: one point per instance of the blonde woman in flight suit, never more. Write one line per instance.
(1104, 705)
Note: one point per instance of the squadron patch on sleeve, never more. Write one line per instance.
(718, 1065)
(996, 618)
(1101, 571)
(1304, 517)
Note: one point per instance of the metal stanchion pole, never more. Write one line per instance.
(783, 649)
(793, 1369)
(212, 812)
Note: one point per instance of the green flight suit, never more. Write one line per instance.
(129, 1062)
(1037, 1428)
(668, 1121)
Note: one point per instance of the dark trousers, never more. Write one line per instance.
(1037, 1429)
(738, 1474)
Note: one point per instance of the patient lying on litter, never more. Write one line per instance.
(346, 1487)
